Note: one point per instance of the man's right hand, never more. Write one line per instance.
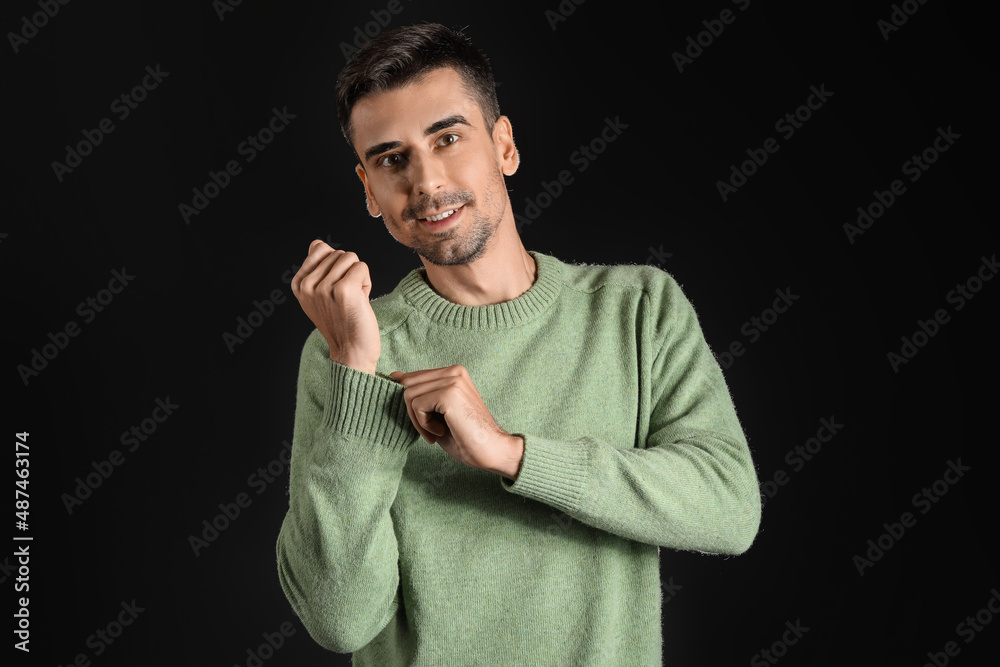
(332, 287)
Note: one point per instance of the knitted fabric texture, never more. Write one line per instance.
(394, 551)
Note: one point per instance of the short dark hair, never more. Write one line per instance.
(403, 55)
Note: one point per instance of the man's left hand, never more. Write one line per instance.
(446, 408)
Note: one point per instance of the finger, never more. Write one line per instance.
(431, 424)
(430, 403)
(424, 433)
(426, 405)
(408, 379)
(328, 272)
(436, 424)
(430, 385)
(318, 251)
(305, 282)
(417, 424)
(411, 378)
(356, 277)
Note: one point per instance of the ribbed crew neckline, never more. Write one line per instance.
(416, 291)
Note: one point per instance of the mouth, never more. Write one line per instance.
(441, 215)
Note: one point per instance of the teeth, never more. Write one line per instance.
(435, 218)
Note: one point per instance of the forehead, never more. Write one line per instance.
(405, 112)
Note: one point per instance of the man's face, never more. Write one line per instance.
(424, 151)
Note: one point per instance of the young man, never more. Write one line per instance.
(486, 460)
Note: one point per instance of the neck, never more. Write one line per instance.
(502, 273)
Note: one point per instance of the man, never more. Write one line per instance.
(486, 460)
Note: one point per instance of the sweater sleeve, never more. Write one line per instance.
(338, 561)
(694, 485)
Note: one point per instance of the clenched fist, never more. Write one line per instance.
(332, 287)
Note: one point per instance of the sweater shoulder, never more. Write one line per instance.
(588, 278)
(314, 350)
(391, 310)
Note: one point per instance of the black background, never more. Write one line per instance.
(653, 187)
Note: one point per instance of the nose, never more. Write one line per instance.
(427, 174)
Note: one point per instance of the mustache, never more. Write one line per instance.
(444, 200)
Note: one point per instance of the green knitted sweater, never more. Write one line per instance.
(398, 553)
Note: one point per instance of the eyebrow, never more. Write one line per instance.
(450, 121)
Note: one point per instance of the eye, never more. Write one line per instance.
(390, 160)
(448, 139)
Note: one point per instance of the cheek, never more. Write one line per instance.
(392, 226)
(475, 175)
(386, 191)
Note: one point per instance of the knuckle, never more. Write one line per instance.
(340, 289)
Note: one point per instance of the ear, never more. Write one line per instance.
(503, 139)
(373, 207)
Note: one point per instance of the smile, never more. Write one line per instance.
(440, 216)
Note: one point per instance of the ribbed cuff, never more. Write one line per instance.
(552, 471)
(368, 407)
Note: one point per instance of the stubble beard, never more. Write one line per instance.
(460, 245)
